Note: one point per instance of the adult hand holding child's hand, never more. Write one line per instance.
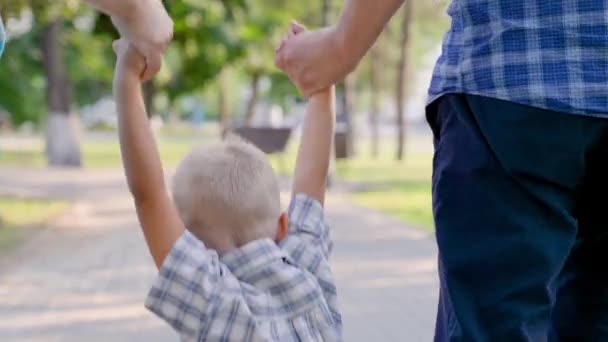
(312, 59)
(150, 29)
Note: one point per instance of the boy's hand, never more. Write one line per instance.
(130, 64)
(317, 134)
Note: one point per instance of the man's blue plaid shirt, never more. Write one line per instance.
(551, 54)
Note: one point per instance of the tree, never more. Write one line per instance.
(87, 61)
(348, 92)
(203, 44)
(326, 12)
(375, 71)
(253, 99)
(205, 41)
(46, 43)
(62, 146)
(259, 29)
(21, 73)
(400, 96)
(223, 110)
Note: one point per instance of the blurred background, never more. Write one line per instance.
(73, 265)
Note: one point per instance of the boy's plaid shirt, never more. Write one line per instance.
(551, 54)
(260, 292)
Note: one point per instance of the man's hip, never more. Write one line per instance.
(508, 185)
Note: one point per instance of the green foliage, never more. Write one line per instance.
(203, 43)
(22, 79)
(429, 23)
(210, 36)
(90, 58)
(22, 86)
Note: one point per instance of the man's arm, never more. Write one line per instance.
(157, 214)
(315, 148)
(116, 8)
(145, 24)
(317, 59)
(360, 24)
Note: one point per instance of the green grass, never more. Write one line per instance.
(20, 216)
(99, 154)
(26, 158)
(107, 155)
(401, 189)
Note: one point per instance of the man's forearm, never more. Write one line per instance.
(116, 8)
(360, 24)
(315, 149)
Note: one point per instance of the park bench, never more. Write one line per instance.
(342, 149)
(273, 140)
(270, 140)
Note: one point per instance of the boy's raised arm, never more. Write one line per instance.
(157, 214)
(315, 147)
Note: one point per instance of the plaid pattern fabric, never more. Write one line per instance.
(259, 292)
(551, 54)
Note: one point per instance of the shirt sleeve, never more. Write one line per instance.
(309, 245)
(307, 223)
(186, 287)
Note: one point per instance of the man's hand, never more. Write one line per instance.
(317, 59)
(150, 29)
(313, 60)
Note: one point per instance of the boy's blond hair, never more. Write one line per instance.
(227, 190)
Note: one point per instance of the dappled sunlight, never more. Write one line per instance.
(75, 316)
(385, 272)
(396, 273)
(382, 228)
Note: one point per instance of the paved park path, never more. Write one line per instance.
(84, 278)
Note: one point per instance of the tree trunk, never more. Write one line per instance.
(325, 21)
(326, 12)
(253, 100)
(62, 146)
(375, 69)
(348, 105)
(223, 110)
(401, 77)
(149, 90)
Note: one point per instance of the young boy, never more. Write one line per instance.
(242, 270)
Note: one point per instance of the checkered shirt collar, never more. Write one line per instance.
(248, 259)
